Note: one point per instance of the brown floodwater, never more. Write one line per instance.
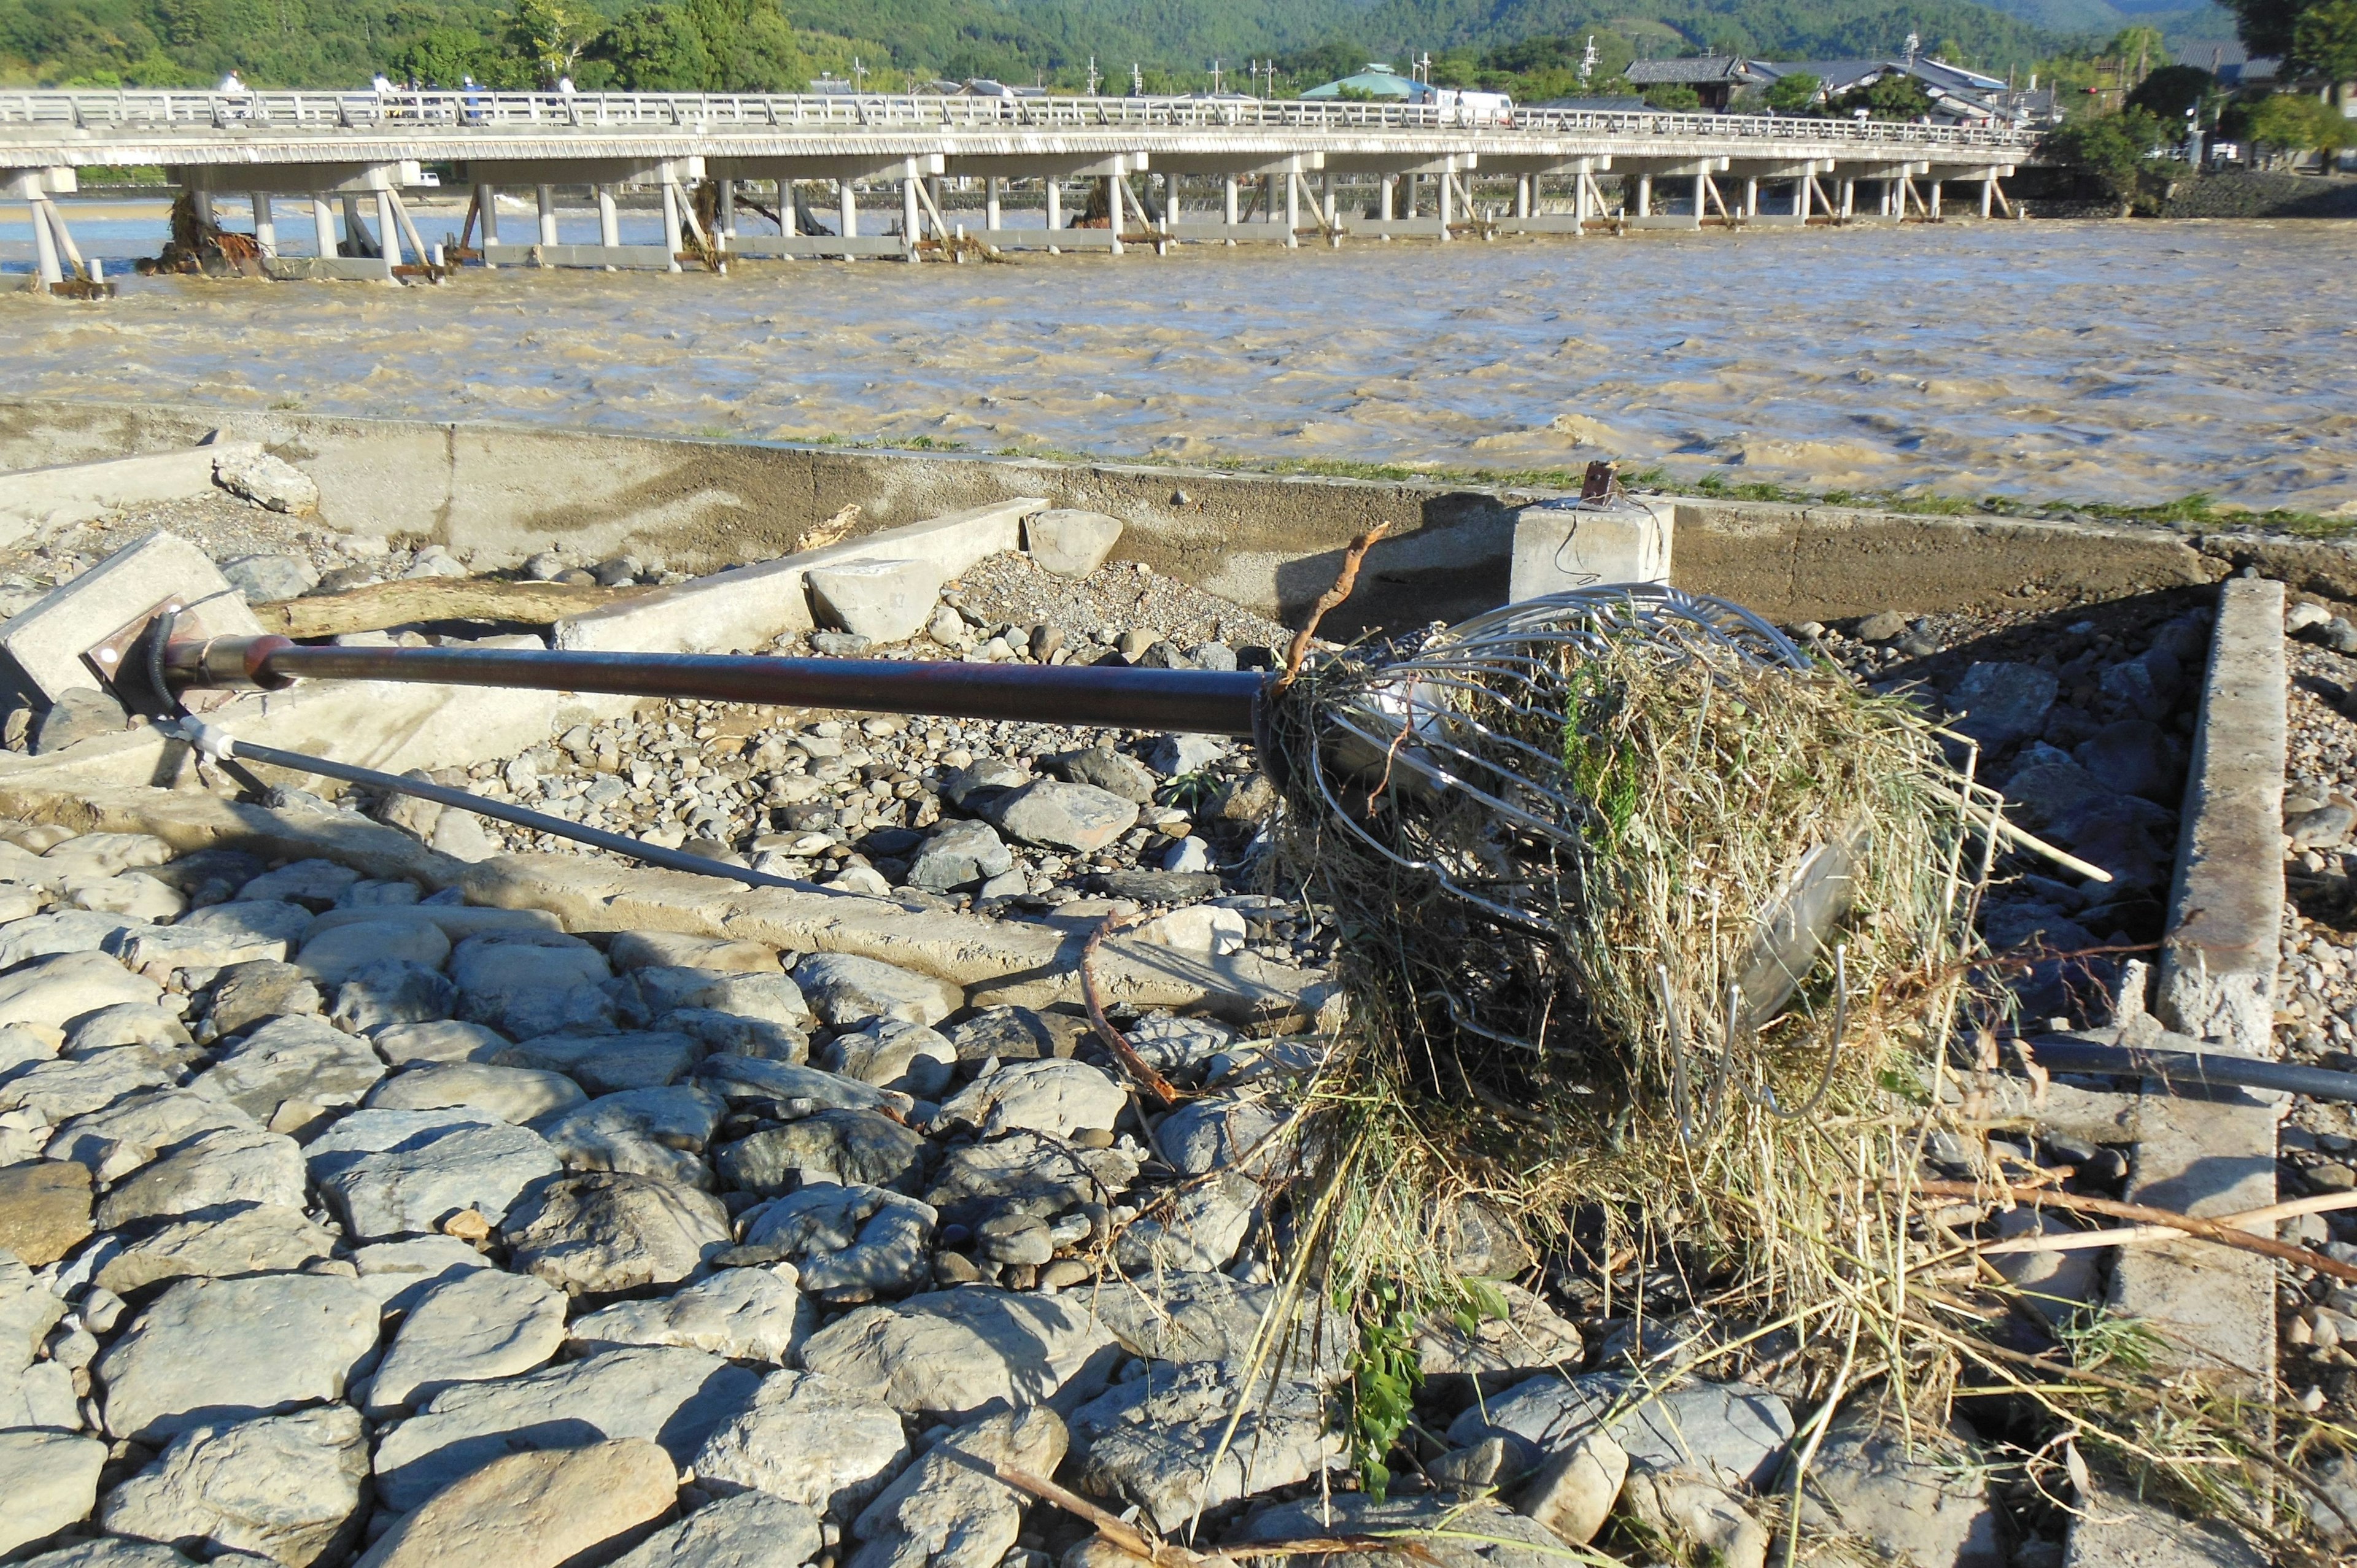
(2088, 361)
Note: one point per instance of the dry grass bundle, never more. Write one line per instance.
(1652, 934)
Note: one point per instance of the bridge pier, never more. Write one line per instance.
(544, 198)
(265, 224)
(487, 217)
(53, 245)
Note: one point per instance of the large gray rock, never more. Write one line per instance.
(275, 485)
(285, 1487)
(1202, 1228)
(247, 993)
(113, 1142)
(2001, 704)
(599, 1231)
(1731, 1430)
(391, 992)
(1067, 542)
(48, 1479)
(746, 1315)
(531, 982)
(809, 1439)
(848, 1238)
(337, 953)
(952, 1353)
(947, 1510)
(658, 1133)
(752, 1530)
(60, 932)
(1081, 818)
(1052, 1096)
(1925, 1509)
(264, 579)
(1025, 1173)
(771, 996)
(215, 1350)
(736, 1079)
(889, 1054)
(858, 1147)
(424, 1179)
(112, 1551)
(1698, 1512)
(1149, 1440)
(44, 1208)
(1114, 772)
(676, 1397)
(480, 1325)
(233, 1165)
(294, 1058)
(52, 994)
(61, 1090)
(1221, 1131)
(610, 1063)
(1180, 1316)
(437, 1040)
(28, 1310)
(38, 1396)
(844, 989)
(958, 854)
(515, 1094)
(216, 936)
(401, 1275)
(576, 1503)
(264, 1240)
(1498, 1350)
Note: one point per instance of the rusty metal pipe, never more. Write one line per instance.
(1204, 702)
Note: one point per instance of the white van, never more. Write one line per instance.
(1472, 108)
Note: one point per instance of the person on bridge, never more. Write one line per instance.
(565, 86)
(231, 85)
(382, 86)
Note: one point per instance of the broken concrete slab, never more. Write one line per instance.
(76, 492)
(753, 605)
(883, 601)
(45, 649)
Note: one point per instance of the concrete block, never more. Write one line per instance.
(753, 605)
(884, 601)
(45, 650)
(1559, 547)
(1068, 542)
(76, 492)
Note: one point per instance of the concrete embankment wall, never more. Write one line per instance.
(1272, 542)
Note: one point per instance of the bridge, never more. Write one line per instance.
(1216, 170)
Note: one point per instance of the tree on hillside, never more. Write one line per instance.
(547, 36)
(1793, 94)
(447, 56)
(654, 48)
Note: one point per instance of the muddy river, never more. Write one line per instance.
(2087, 361)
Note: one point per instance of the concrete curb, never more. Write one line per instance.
(2212, 1157)
(76, 492)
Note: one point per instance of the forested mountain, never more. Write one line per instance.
(780, 44)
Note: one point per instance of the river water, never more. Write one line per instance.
(2083, 361)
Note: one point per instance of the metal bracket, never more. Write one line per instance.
(121, 669)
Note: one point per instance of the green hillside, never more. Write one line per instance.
(778, 44)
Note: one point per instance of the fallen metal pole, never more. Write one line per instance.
(1205, 701)
(2188, 1072)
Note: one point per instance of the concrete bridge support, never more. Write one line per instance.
(1530, 176)
(1269, 229)
(1398, 211)
(1695, 170)
(323, 184)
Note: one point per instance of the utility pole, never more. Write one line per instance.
(1588, 60)
(1215, 79)
(1136, 80)
(1093, 78)
(859, 74)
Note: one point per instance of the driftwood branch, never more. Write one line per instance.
(1136, 1065)
(410, 600)
(1344, 582)
(1147, 1547)
(2220, 1232)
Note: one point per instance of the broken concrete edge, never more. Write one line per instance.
(996, 963)
(76, 492)
(2217, 974)
(45, 648)
(1266, 540)
(749, 606)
